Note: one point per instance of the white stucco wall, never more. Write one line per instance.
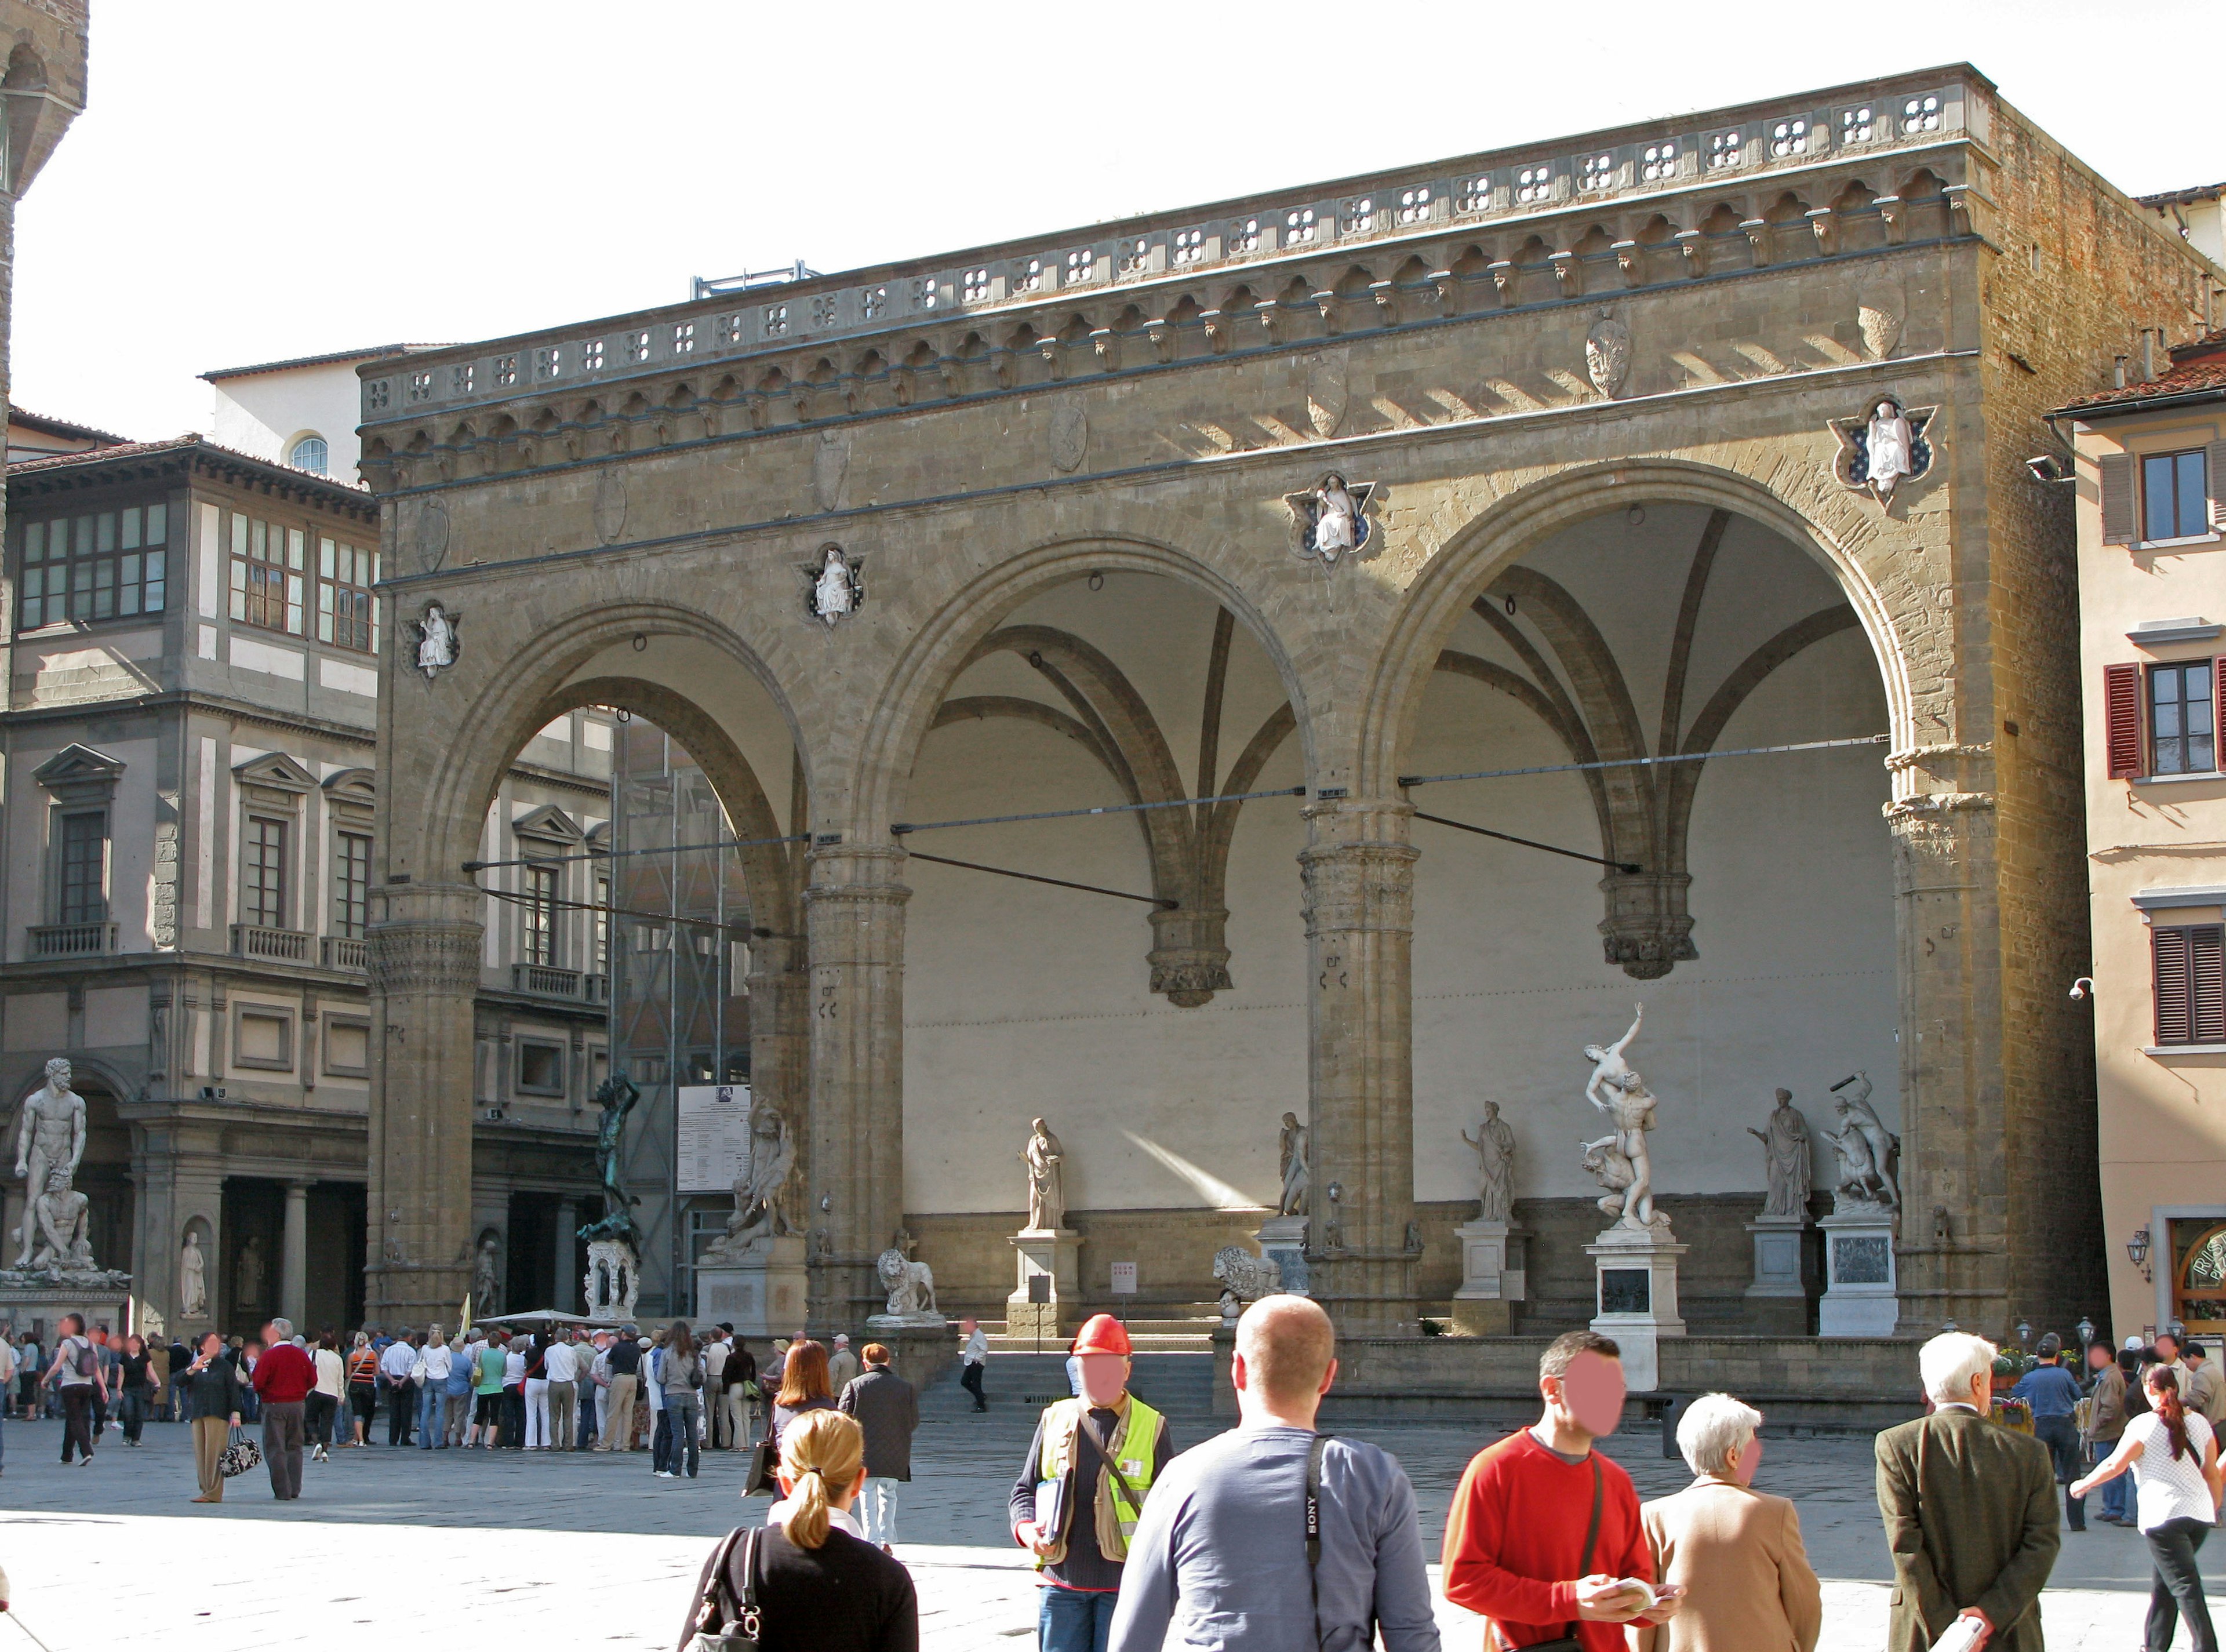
(265, 413)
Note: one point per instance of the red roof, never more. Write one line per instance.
(48, 426)
(368, 353)
(2198, 369)
(203, 449)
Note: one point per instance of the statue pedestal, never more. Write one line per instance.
(1489, 1284)
(1047, 1310)
(613, 1280)
(1858, 1274)
(762, 1293)
(1636, 1281)
(32, 1301)
(1282, 1241)
(1779, 1295)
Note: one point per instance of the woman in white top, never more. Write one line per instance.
(2174, 1455)
(325, 1399)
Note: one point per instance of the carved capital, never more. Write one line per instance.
(1107, 344)
(1826, 225)
(1890, 213)
(1567, 275)
(1446, 286)
(1190, 955)
(1387, 302)
(424, 956)
(1326, 301)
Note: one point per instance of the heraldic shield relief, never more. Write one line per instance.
(1332, 520)
(1884, 445)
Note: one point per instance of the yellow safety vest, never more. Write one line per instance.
(1133, 1455)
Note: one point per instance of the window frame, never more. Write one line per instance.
(539, 937)
(65, 820)
(323, 467)
(288, 1044)
(2201, 947)
(2150, 676)
(252, 839)
(261, 556)
(128, 543)
(2180, 532)
(555, 1049)
(351, 908)
(332, 1069)
(348, 603)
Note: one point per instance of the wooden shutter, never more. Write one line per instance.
(2214, 476)
(2206, 970)
(2122, 720)
(2168, 957)
(2118, 499)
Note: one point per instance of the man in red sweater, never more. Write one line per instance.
(1544, 1537)
(283, 1376)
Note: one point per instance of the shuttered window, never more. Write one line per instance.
(2122, 718)
(2117, 470)
(2190, 966)
(2182, 737)
(2175, 496)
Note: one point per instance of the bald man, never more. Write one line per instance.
(1225, 1529)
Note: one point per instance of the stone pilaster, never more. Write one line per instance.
(854, 918)
(781, 1031)
(425, 955)
(1359, 874)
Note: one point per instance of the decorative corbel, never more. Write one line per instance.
(1446, 287)
(1694, 245)
(903, 383)
(1270, 315)
(952, 373)
(1387, 302)
(754, 410)
(1567, 275)
(1217, 330)
(1001, 365)
(1107, 343)
(1757, 230)
(800, 398)
(1631, 261)
(1502, 271)
(1889, 208)
(1326, 301)
(1162, 337)
(1047, 346)
(1825, 225)
(1966, 210)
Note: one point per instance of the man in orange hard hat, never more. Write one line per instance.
(1080, 1489)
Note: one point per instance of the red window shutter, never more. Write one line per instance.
(2122, 720)
(2206, 959)
(2168, 955)
(2117, 471)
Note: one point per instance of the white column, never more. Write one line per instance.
(294, 1257)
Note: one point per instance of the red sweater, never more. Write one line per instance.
(285, 1375)
(1515, 1539)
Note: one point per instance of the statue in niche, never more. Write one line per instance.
(486, 1276)
(1296, 1175)
(1890, 445)
(836, 590)
(1869, 1153)
(437, 646)
(193, 1277)
(1332, 520)
(1494, 1142)
(1046, 1161)
(1785, 1159)
(1617, 1090)
(764, 1193)
(50, 1131)
(247, 1273)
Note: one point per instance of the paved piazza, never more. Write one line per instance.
(595, 1546)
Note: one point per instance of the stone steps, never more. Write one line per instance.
(1181, 1385)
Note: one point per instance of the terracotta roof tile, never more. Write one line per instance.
(2198, 369)
(338, 493)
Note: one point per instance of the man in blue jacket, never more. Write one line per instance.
(2053, 1393)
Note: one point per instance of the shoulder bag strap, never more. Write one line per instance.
(1104, 1455)
(1314, 1528)
(713, 1606)
(747, 1615)
(1591, 1533)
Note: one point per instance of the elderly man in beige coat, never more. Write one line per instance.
(1737, 1551)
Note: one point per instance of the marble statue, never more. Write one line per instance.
(1612, 1170)
(1494, 1142)
(1890, 447)
(764, 1193)
(247, 1273)
(911, 1286)
(1619, 1093)
(50, 1131)
(835, 591)
(1869, 1153)
(486, 1277)
(193, 1277)
(1047, 1179)
(1785, 1159)
(437, 641)
(616, 1097)
(62, 1212)
(1296, 1175)
(1244, 1279)
(1337, 527)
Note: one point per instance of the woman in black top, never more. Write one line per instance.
(821, 1587)
(803, 1388)
(138, 1389)
(212, 1384)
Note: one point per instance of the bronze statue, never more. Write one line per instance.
(616, 1095)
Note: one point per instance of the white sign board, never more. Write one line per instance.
(714, 1147)
(1124, 1279)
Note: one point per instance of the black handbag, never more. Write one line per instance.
(1569, 1643)
(241, 1455)
(763, 1456)
(723, 1623)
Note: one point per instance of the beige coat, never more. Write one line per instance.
(1739, 1553)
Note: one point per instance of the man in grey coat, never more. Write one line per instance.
(887, 1410)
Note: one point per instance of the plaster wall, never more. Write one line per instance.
(264, 414)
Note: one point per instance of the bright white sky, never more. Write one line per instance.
(259, 179)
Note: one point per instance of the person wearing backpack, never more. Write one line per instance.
(77, 1376)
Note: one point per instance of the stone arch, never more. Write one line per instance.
(1473, 557)
(913, 690)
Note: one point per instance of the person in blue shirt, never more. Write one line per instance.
(2053, 1393)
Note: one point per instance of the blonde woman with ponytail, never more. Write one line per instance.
(821, 1587)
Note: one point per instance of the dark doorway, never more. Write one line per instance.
(254, 1235)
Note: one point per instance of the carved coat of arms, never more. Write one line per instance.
(1332, 520)
(1069, 433)
(424, 534)
(1883, 446)
(610, 504)
(833, 589)
(1326, 393)
(1607, 355)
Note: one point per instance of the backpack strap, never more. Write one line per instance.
(1314, 1453)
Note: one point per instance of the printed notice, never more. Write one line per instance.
(714, 1147)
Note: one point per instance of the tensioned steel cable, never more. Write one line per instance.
(1645, 762)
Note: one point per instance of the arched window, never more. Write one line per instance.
(309, 454)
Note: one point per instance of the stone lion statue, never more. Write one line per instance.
(911, 1284)
(1244, 1279)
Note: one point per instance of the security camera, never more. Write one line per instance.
(2046, 467)
(2084, 987)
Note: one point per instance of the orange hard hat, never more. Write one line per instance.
(1102, 1334)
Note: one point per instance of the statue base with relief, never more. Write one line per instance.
(1859, 1273)
(763, 1292)
(1282, 1241)
(1777, 1300)
(1044, 1301)
(1635, 1273)
(613, 1280)
(28, 1298)
(1491, 1279)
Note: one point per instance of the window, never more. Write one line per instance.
(602, 926)
(459, 380)
(262, 1037)
(549, 361)
(420, 387)
(1027, 276)
(541, 915)
(591, 356)
(351, 884)
(2182, 735)
(506, 371)
(268, 563)
(347, 1047)
(104, 565)
(540, 1067)
(2175, 498)
(637, 345)
(775, 319)
(348, 614)
(310, 452)
(1135, 257)
(1600, 171)
(84, 868)
(1475, 194)
(1081, 265)
(1921, 115)
(1357, 217)
(872, 301)
(374, 394)
(975, 286)
(262, 874)
(826, 309)
(2189, 974)
(1299, 227)
(730, 327)
(1856, 126)
(1788, 137)
(1242, 235)
(1413, 205)
(925, 293)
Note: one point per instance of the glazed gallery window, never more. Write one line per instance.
(268, 563)
(348, 614)
(2190, 966)
(2183, 729)
(2175, 496)
(98, 565)
(351, 884)
(541, 915)
(262, 874)
(84, 868)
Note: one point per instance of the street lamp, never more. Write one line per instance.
(2086, 1334)
(2138, 1248)
(2024, 1334)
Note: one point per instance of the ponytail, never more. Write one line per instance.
(2163, 1382)
(821, 1452)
